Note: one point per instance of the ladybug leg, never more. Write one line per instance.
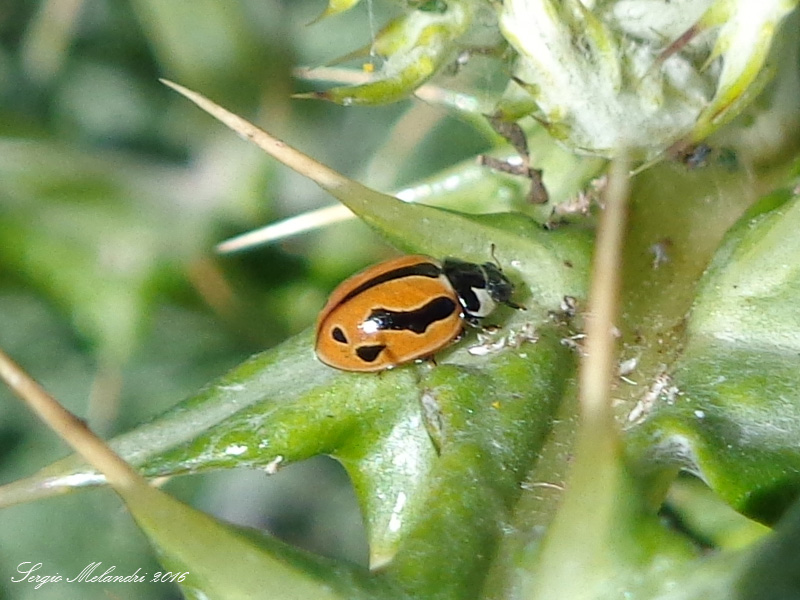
(430, 360)
(514, 305)
(478, 324)
(472, 322)
(460, 335)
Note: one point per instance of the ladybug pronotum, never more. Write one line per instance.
(405, 309)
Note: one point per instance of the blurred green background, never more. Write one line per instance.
(113, 192)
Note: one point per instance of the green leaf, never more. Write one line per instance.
(773, 570)
(494, 422)
(708, 519)
(334, 8)
(731, 409)
(745, 45)
(415, 46)
(283, 406)
(209, 559)
(432, 452)
(491, 418)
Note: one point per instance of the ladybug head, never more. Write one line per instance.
(480, 288)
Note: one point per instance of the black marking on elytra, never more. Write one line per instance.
(370, 353)
(338, 335)
(416, 321)
(423, 269)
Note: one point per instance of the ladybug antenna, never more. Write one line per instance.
(507, 302)
(493, 247)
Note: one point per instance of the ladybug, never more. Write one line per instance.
(405, 309)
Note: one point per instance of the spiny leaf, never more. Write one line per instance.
(731, 408)
(414, 46)
(335, 7)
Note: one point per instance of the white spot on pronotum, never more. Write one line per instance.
(395, 521)
(236, 449)
(486, 303)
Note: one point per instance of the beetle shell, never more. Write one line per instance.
(394, 312)
(405, 309)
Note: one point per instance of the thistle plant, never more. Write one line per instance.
(599, 76)
(631, 434)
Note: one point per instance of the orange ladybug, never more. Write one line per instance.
(405, 309)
